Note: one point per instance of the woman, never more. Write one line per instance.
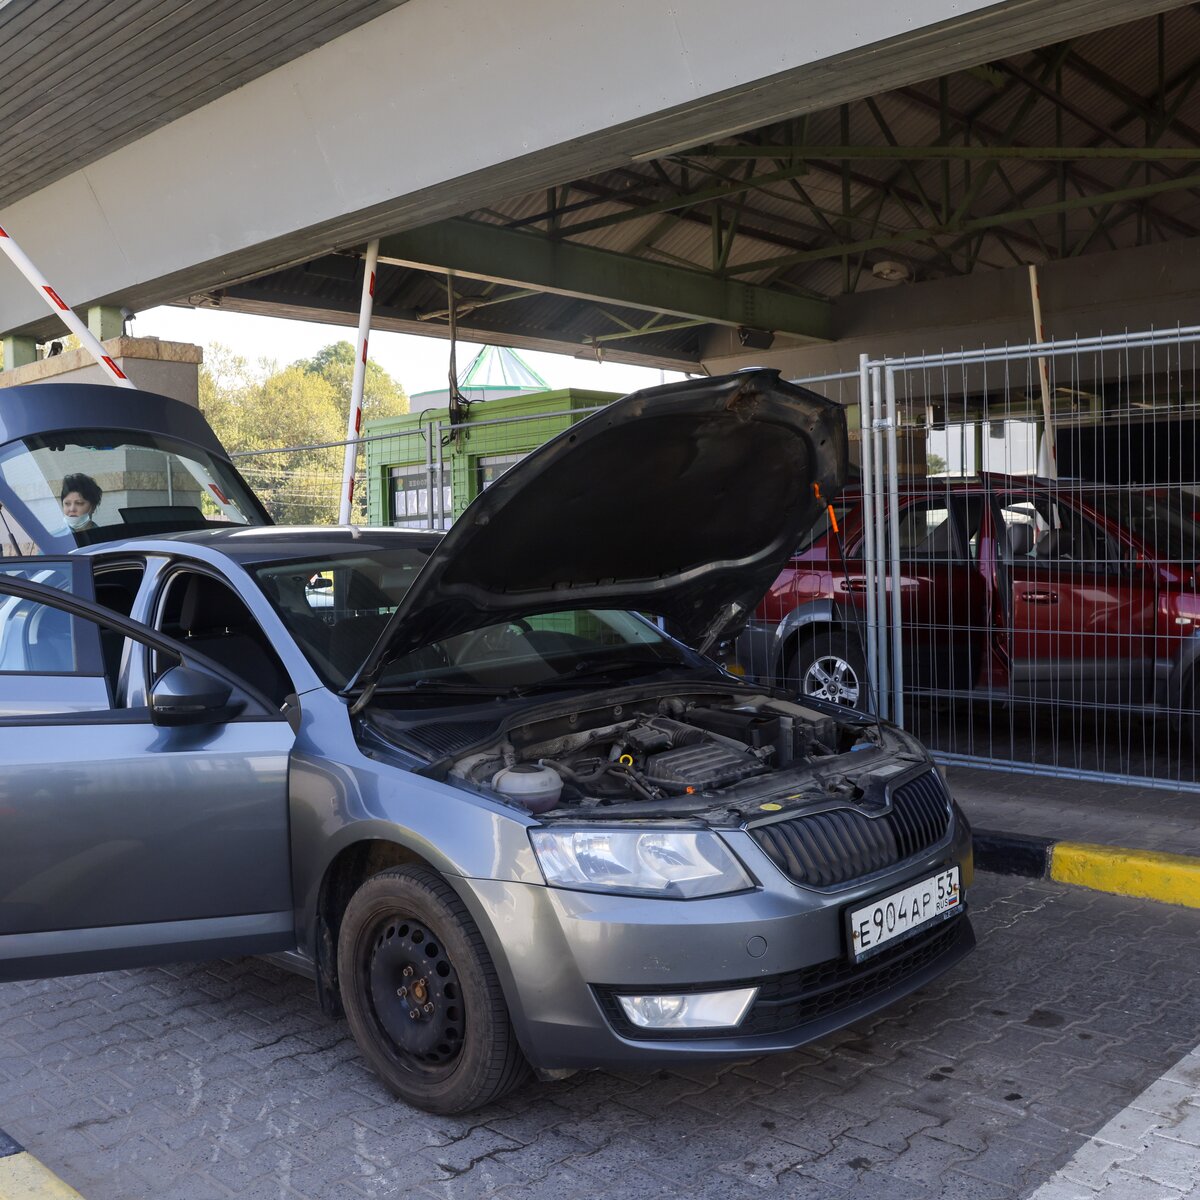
(80, 495)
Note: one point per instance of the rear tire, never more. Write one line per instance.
(421, 994)
(829, 665)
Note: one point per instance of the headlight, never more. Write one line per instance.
(674, 864)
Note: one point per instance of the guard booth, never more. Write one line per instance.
(424, 468)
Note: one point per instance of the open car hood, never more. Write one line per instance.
(682, 501)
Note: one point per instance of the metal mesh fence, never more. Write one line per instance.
(1041, 549)
(1011, 573)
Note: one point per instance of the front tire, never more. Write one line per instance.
(829, 665)
(422, 996)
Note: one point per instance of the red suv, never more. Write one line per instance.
(1011, 588)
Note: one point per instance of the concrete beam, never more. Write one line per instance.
(508, 256)
(363, 137)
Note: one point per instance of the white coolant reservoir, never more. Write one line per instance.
(535, 787)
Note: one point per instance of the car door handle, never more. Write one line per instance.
(854, 585)
(1039, 597)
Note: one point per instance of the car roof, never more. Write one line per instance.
(254, 545)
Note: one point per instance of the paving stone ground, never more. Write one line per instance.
(224, 1080)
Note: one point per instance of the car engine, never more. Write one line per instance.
(654, 751)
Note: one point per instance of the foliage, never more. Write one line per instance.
(935, 464)
(382, 395)
(301, 405)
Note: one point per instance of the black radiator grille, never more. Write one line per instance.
(830, 848)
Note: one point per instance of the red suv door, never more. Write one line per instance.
(943, 609)
(1081, 616)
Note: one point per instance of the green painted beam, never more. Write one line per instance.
(646, 332)
(686, 200)
(526, 259)
(18, 351)
(104, 321)
(973, 225)
(973, 153)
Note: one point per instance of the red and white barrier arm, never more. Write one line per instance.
(61, 309)
(354, 421)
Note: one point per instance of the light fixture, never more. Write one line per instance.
(689, 1010)
(891, 271)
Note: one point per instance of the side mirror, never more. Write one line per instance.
(185, 696)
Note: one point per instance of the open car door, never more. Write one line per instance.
(130, 835)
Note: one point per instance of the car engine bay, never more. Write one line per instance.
(674, 754)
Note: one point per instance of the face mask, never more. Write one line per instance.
(78, 522)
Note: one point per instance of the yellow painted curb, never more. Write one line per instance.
(22, 1177)
(1171, 878)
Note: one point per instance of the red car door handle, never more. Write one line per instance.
(1039, 597)
(854, 585)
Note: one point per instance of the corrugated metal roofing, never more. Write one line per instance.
(1108, 83)
(83, 77)
(1107, 89)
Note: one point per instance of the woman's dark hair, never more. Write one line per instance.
(85, 485)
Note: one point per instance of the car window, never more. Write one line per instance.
(336, 607)
(1044, 529)
(540, 648)
(50, 661)
(926, 530)
(79, 486)
(208, 615)
(1165, 520)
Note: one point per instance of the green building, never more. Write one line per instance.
(423, 469)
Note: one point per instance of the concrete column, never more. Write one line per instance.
(18, 351)
(168, 368)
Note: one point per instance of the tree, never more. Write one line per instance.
(283, 408)
(382, 395)
(935, 464)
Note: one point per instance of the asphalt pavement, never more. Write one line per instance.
(224, 1080)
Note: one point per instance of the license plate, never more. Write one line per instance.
(897, 915)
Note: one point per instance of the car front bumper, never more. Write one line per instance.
(564, 956)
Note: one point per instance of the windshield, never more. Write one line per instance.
(61, 490)
(337, 606)
(539, 650)
(1166, 520)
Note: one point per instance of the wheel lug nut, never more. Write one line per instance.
(407, 972)
(428, 1008)
(412, 1014)
(402, 992)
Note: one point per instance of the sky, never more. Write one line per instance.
(419, 364)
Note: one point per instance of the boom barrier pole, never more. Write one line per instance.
(61, 309)
(354, 421)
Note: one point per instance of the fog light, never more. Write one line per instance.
(690, 1010)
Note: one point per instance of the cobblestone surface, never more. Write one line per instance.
(224, 1080)
(1150, 1149)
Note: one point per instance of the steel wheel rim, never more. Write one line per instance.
(415, 995)
(831, 677)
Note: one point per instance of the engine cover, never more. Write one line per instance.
(708, 765)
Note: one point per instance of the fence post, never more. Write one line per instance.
(867, 460)
(429, 475)
(878, 517)
(893, 495)
(440, 468)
